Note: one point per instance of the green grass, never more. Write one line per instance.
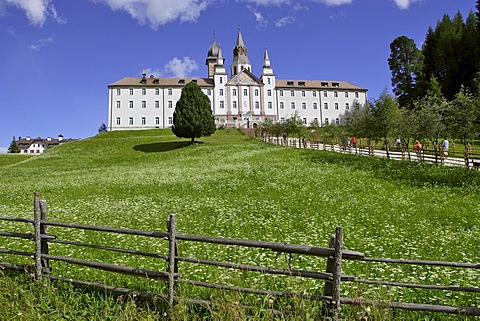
(232, 186)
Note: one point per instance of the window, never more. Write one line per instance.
(157, 104)
(130, 91)
(314, 93)
(303, 93)
(337, 121)
(346, 94)
(281, 92)
(282, 119)
(281, 105)
(118, 121)
(144, 104)
(305, 121)
(118, 104)
(335, 94)
(157, 120)
(256, 92)
(234, 104)
(304, 105)
(269, 92)
(170, 120)
(221, 91)
(325, 121)
(144, 120)
(222, 105)
(336, 106)
(169, 91)
(221, 80)
(292, 93)
(314, 105)
(315, 119)
(325, 94)
(234, 92)
(130, 104)
(269, 105)
(144, 91)
(292, 105)
(268, 80)
(356, 94)
(245, 92)
(118, 91)
(257, 105)
(209, 92)
(170, 104)
(325, 106)
(347, 106)
(130, 120)
(157, 91)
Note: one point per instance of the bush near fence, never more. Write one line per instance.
(333, 278)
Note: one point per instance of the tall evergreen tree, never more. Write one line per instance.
(13, 146)
(193, 117)
(405, 64)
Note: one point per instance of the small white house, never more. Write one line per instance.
(39, 145)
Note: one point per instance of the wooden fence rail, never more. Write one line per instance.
(469, 160)
(333, 277)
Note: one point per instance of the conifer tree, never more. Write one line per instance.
(193, 117)
(13, 146)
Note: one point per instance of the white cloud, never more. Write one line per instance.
(181, 67)
(334, 2)
(159, 12)
(404, 4)
(259, 18)
(42, 43)
(36, 10)
(54, 14)
(285, 21)
(269, 2)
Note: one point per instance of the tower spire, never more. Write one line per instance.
(240, 59)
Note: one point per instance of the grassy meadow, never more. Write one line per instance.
(233, 186)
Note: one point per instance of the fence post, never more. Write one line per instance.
(171, 260)
(337, 273)
(328, 287)
(38, 244)
(43, 242)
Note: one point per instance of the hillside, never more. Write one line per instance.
(233, 186)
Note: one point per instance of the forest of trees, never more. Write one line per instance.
(436, 93)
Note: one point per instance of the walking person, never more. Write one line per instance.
(417, 147)
(445, 146)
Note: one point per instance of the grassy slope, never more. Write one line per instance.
(234, 187)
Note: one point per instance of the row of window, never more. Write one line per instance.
(257, 105)
(303, 93)
(314, 105)
(144, 104)
(326, 121)
(143, 121)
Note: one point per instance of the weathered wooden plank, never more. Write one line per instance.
(18, 267)
(16, 219)
(420, 286)
(472, 311)
(337, 271)
(423, 262)
(108, 229)
(266, 270)
(312, 297)
(14, 252)
(112, 267)
(27, 236)
(112, 249)
(171, 260)
(38, 239)
(280, 247)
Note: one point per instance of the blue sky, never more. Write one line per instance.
(57, 57)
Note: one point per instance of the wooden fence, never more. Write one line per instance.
(469, 160)
(332, 277)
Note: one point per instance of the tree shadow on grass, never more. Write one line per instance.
(161, 147)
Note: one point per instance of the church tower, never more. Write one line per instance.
(240, 59)
(268, 79)
(212, 57)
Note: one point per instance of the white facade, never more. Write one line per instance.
(239, 100)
